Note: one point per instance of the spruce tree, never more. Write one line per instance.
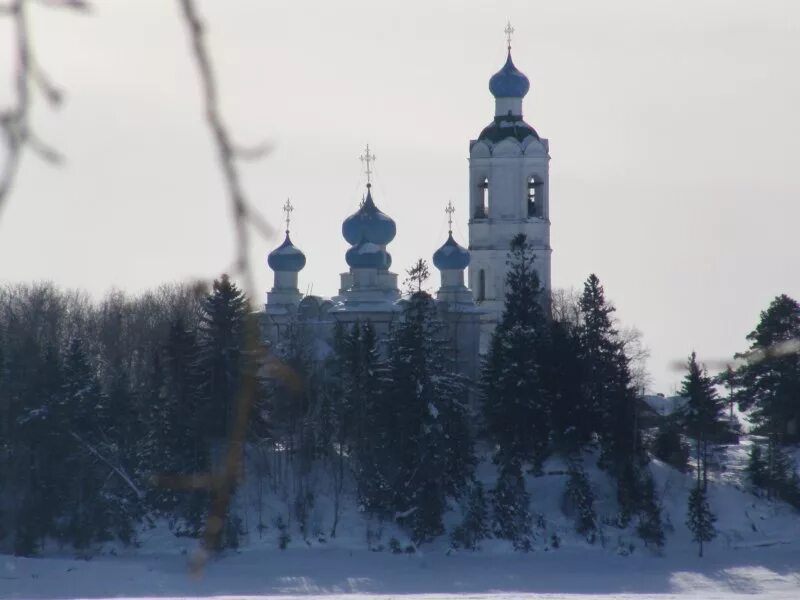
(176, 443)
(362, 382)
(416, 277)
(650, 527)
(565, 385)
(515, 406)
(475, 526)
(511, 517)
(757, 468)
(423, 450)
(700, 520)
(579, 500)
(40, 437)
(702, 413)
(612, 402)
(223, 365)
(611, 397)
(668, 445)
(87, 511)
(220, 356)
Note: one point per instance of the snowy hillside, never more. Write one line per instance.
(756, 551)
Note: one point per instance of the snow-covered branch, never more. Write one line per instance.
(119, 471)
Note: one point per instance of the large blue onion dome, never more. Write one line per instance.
(451, 256)
(509, 82)
(368, 255)
(369, 223)
(287, 257)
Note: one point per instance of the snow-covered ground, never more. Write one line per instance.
(756, 552)
(573, 573)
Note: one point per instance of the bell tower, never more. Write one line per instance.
(508, 194)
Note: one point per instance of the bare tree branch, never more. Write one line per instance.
(78, 5)
(15, 127)
(14, 120)
(227, 151)
(221, 483)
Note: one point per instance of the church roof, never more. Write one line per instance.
(509, 82)
(286, 257)
(507, 127)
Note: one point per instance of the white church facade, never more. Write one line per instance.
(508, 195)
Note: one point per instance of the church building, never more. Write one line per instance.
(508, 195)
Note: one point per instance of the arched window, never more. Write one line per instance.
(482, 209)
(481, 285)
(534, 203)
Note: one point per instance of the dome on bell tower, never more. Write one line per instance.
(509, 82)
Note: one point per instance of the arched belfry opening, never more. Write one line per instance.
(534, 197)
(482, 208)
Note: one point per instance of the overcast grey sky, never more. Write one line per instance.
(673, 127)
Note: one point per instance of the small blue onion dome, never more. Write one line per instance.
(286, 257)
(451, 256)
(367, 255)
(509, 82)
(369, 223)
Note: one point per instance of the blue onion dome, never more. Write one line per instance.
(368, 255)
(369, 223)
(451, 256)
(509, 82)
(286, 257)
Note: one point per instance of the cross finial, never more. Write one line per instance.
(367, 158)
(509, 31)
(450, 210)
(288, 208)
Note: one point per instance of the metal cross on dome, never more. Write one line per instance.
(367, 158)
(450, 210)
(288, 208)
(509, 30)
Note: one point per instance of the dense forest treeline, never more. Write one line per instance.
(101, 403)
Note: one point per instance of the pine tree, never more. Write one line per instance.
(700, 520)
(770, 378)
(475, 526)
(702, 414)
(515, 407)
(511, 517)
